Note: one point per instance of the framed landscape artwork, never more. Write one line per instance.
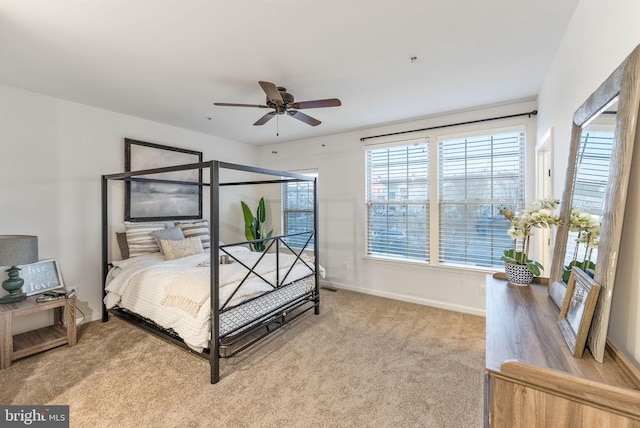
(161, 196)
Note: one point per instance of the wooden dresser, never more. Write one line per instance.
(533, 381)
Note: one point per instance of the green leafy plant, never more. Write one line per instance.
(254, 225)
(539, 214)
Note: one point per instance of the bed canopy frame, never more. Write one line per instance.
(248, 334)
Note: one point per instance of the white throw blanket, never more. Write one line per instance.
(188, 292)
(188, 288)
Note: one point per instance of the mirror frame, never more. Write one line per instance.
(624, 82)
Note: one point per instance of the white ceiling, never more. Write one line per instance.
(169, 60)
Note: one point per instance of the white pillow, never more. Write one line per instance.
(173, 233)
(182, 248)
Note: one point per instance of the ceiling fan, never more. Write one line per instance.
(283, 102)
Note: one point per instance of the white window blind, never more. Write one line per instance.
(592, 173)
(398, 201)
(476, 176)
(297, 211)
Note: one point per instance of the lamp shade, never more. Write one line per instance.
(18, 250)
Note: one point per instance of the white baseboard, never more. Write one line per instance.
(405, 298)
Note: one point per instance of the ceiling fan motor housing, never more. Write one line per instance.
(286, 97)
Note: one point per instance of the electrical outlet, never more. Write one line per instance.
(346, 265)
(483, 290)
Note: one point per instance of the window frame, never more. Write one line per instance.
(468, 202)
(370, 202)
(284, 199)
(525, 125)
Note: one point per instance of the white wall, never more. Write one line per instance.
(52, 155)
(599, 37)
(340, 162)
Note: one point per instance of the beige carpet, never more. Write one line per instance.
(363, 362)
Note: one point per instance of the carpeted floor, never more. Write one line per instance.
(363, 362)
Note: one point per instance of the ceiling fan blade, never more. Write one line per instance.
(239, 105)
(331, 102)
(273, 94)
(264, 119)
(304, 118)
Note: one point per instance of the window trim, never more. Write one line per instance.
(465, 135)
(312, 172)
(522, 124)
(427, 201)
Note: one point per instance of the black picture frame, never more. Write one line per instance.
(148, 200)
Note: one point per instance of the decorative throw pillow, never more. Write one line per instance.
(140, 238)
(170, 234)
(183, 248)
(198, 228)
(121, 237)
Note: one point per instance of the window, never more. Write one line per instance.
(476, 176)
(398, 201)
(297, 211)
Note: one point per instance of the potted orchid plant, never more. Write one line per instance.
(588, 229)
(519, 268)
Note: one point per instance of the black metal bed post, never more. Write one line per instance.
(105, 245)
(316, 245)
(214, 233)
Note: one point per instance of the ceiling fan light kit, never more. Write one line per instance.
(283, 102)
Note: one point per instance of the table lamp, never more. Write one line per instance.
(16, 250)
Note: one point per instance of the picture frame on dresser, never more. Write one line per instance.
(577, 310)
(41, 277)
(161, 196)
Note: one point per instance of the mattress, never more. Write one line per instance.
(146, 284)
(255, 311)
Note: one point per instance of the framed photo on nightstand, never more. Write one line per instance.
(40, 277)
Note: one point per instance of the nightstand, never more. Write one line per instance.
(62, 332)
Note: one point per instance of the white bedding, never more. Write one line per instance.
(141, 285)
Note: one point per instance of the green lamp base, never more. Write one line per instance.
(13, 285)
(12, 299)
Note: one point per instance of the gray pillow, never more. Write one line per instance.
(170, 234)
(122, 243)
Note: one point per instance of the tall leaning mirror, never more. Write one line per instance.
(602, 137)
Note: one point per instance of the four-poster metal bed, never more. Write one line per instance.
(243, 333)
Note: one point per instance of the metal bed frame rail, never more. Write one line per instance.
(272, 321)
